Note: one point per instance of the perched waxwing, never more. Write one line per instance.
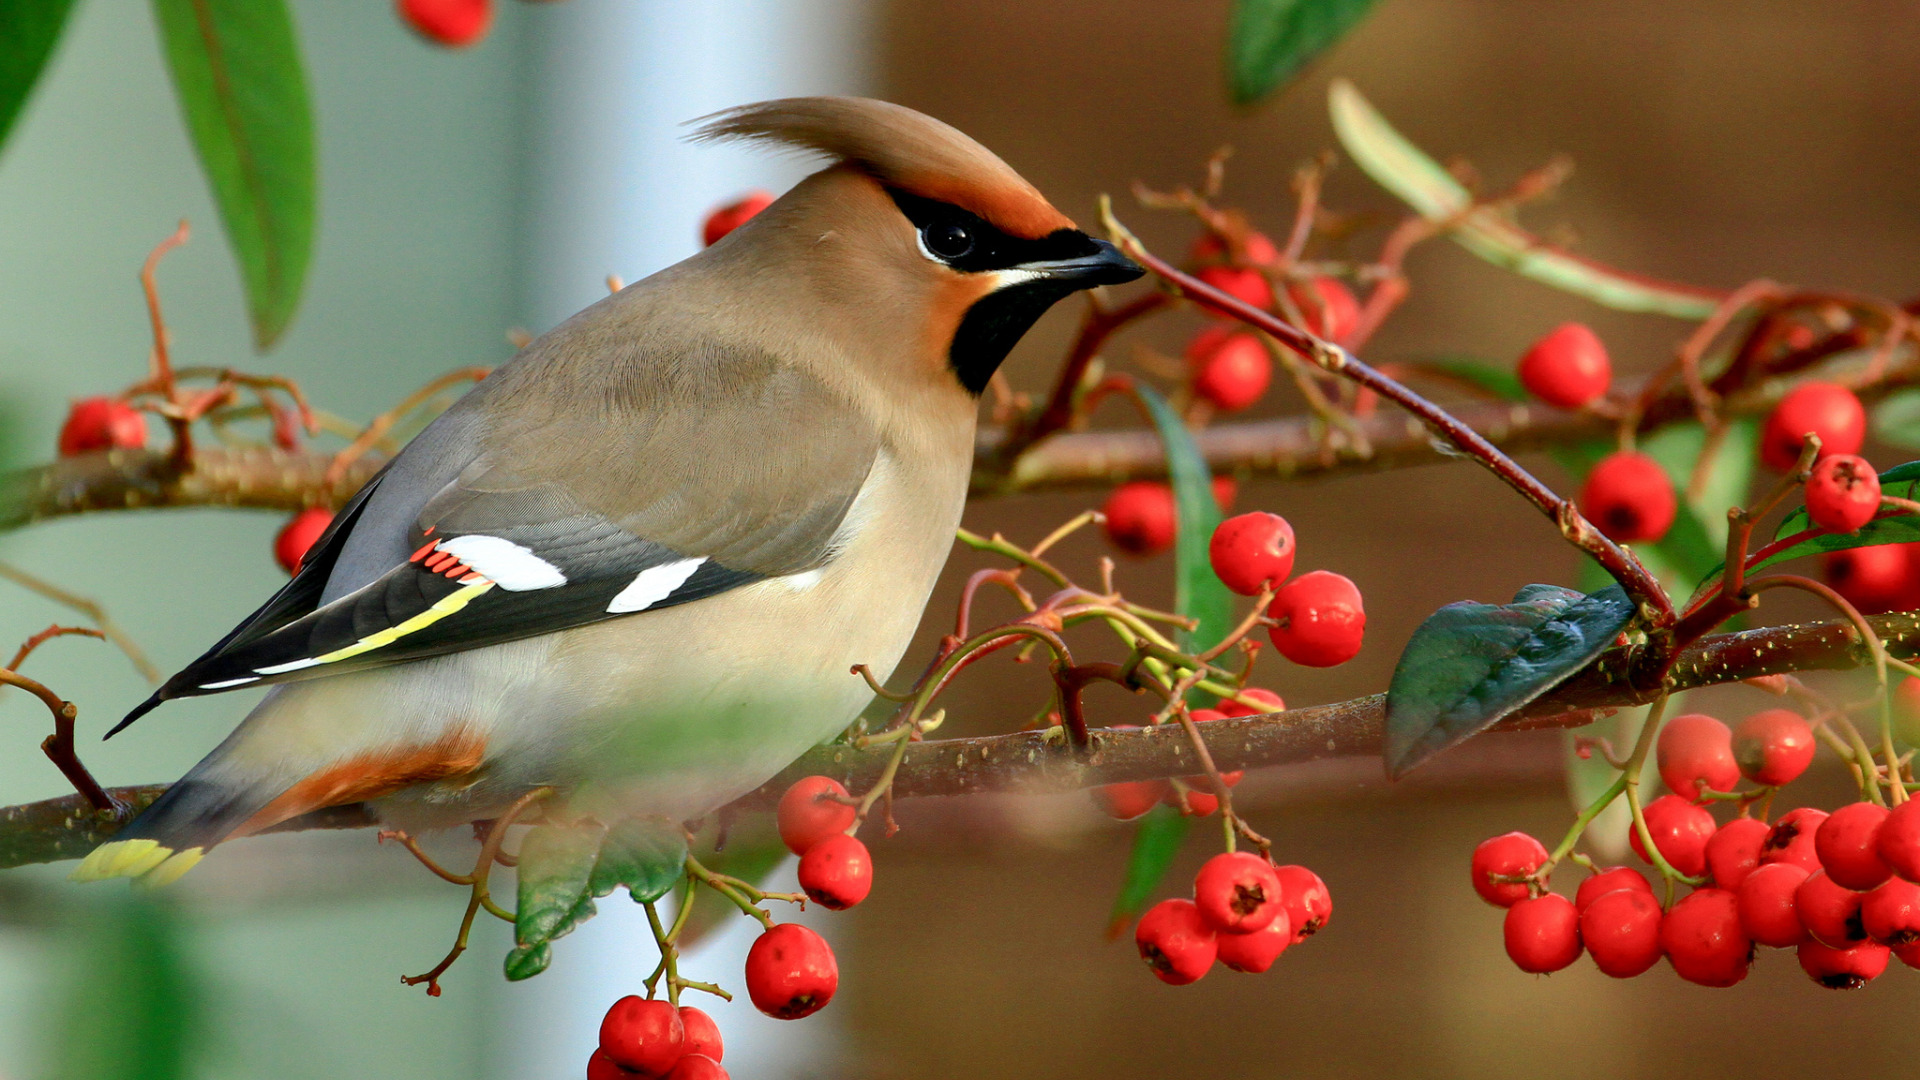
(638, 562)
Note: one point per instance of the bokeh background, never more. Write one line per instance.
(468, 194)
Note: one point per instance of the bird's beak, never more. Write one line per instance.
(1105, 265)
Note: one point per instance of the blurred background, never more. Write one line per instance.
(466, 195)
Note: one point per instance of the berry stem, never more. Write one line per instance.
(1877, 650)
(1579, 829)
(1630, 779)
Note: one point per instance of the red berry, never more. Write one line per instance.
(1243, 283)
(1766, 905)
(1696, 750)
(1257, 249)
(1225, 490)
(1175, 942)
(1309, 905)
(602, 1067)
(1327, 307)
(727, 218)
(1255, 952)
(1877, 578)
(1237, 892)
(298, 536)
(1703, 940)
(1128, 800)
(1252, 551)
(1773, 747)
(1513, 854)
(454, 23)
(1847, 844)
(1843, 969)
(1629, 497)
(812, 810)
(1230, 369)
(1568, 367)
(1621, 930)
(1612, 879)
(642, 1035)
(791, 972)
(1543, 933)
(837, 872)
(100, 423)
(1141, 517)
(1680, 830)
(1908, 954)
(1890, 914)
(1829, 410)
(1792, 839)
(1321, 620)
(1735, 850)
(1899, 840)
(1842, 493)
(1200, 799)
(697, 1067)
(1829, 911)
(703, 1035)
(1270, 702)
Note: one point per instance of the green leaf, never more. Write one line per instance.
(1269, 40)
(1896, 420)
(1156, 840)
(1419, 181)
(236, 69)
(29, 29)
(526, 961)
(131, 1003)
(556, 863)
(1469, 665)
(647, 855)
(1500, 381)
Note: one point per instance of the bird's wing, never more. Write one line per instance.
(675, 479)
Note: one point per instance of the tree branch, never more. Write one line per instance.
(66, 828)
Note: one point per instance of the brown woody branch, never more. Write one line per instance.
(66, 828)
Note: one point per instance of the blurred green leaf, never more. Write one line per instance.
(237, 71)
(29, 29)
(1421, 182)
(1497, 380)
(556, 863)
(1468, 665)
(1156, 840)
(131, 1007)
(1896, 419)
(647, 855)
(1269, 40)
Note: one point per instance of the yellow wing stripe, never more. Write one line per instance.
(445, 606)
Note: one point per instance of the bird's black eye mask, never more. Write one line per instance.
(997, 321)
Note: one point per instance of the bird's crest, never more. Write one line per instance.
(901, 148)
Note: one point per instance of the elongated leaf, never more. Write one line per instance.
(1419, 181)
(1269, 40)
(1156, 840)
(29, 29)
(1471, 664)
(1497, 380)
(556, 864)
(647, 855)
(132, 1004)
(236, 69)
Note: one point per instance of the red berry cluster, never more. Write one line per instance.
(100, 423)
(1318, 617)
(1244, 913)
(1842, 889)
(1239, 265)
(653, 1038)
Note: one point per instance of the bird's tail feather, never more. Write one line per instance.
(167, 838)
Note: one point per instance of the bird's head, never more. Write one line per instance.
(916, 229)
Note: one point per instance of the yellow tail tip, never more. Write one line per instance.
(148, 859)
(170, 871)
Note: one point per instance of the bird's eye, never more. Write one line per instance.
(948, 239)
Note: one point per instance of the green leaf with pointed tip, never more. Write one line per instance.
(237, 72)
(526, 961)
(1268, 41)
(647, 855)
(1156, 840)
(29, 29)
(1421, 182)
(556, 863)
(1469, 665)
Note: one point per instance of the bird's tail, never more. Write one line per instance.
(167, 838)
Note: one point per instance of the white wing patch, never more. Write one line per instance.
(225, 683)
(509, 565)
(652, 585)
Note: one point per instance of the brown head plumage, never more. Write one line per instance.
(902, 149)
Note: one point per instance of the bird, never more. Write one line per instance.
(637, 563)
